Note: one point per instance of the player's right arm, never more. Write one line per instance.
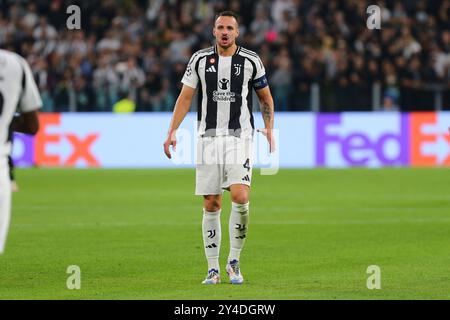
(181, 109)
(26, 122)
(190, 81)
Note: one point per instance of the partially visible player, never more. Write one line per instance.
(12, 176)
(18, 93)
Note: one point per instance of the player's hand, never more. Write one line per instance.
(170, 141)
(268, 133)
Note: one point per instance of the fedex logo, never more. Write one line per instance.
(416, 139)
(361, 141)
(430, 139)
(64, 149)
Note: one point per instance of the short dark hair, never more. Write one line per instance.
(228, 14)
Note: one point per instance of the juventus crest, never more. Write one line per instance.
(237, 69)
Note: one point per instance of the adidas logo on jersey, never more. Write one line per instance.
(246, 178)
(211, 69)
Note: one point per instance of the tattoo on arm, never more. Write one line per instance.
(267, 111)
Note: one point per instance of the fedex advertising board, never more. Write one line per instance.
(303, 140)
(362, 139)
(383, 139)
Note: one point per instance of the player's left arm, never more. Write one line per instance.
(267, 110)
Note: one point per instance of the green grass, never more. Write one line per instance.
(136, 234)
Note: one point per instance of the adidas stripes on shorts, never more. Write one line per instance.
(221, 162)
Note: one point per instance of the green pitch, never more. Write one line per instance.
(136, 234)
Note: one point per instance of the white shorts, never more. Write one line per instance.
(221, 162)
(5, 205)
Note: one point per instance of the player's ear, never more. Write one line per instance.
(214, 31)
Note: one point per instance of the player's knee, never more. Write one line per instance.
(212, 204)
(240, 198)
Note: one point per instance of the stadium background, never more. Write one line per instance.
(129, 57)
(344, 95)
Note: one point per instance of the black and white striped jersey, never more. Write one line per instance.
(18, 93)
(225, 90)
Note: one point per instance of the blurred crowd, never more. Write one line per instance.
(132, 54)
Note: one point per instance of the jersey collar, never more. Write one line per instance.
(238, 48)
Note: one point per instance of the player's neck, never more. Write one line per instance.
(226, 52)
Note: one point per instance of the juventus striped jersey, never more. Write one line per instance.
(225, 90)
(18, 93)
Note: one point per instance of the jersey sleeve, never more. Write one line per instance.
(260, 80)
(30, 99)
(190, 77)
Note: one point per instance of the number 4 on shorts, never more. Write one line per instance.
(247, 164)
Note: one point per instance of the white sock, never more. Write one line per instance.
(238, 229)
(211, 237)
(5, 208)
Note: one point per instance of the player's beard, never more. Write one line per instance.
(224, 47)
